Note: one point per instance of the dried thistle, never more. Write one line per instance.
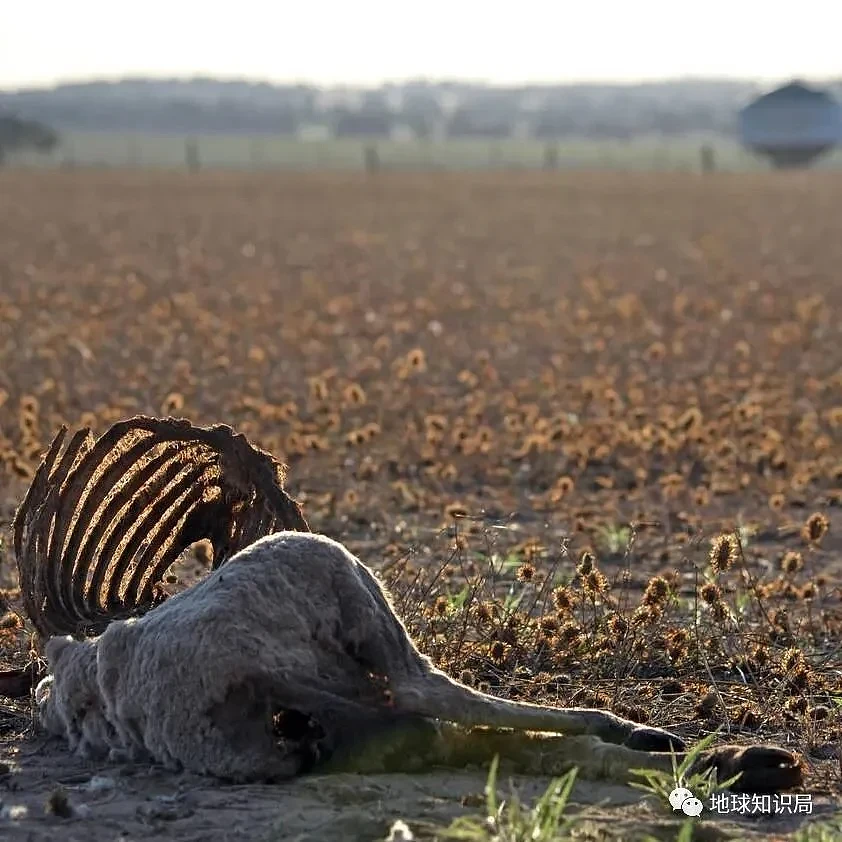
(657, 591)
(677, 644)
(719, 611)
(563, 598)
(595, 583)
(483, 612)
(777, 502)
(587, 562)
(499, 651)
(809, 591)
(618, 625)
(796, 705)
(792, 562)
(710, 593)
(792, 659)
(760, 655)
(815, 528)
(525, 573)
(569, 633)
(724, 552)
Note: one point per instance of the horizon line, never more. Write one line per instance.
(403, 80)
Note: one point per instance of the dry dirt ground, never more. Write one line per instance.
(116, 802)
(477, 382)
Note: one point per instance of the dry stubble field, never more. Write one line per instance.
(588, 426)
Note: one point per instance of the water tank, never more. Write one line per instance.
(792, 126)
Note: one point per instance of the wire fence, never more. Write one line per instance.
(106, 150)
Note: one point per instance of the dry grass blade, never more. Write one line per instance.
(96, 532)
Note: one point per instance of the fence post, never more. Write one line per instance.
(256, 154)
(191, 155)
(371, 159)
(551, 156)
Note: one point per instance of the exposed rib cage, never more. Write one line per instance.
(102, 521)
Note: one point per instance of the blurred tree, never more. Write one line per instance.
(16, 134)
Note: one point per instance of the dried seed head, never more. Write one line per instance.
(172, 403)
(798, 679)
(648, 615)
(595, 583)
(569, 633)
(618, 625)
(719, 611)
(815, 528)
(724, 552)
(792, 659)
(563, 598)
(565, 485)
(777, 502)
(792, 562)
(780, 618)
(760, 656)
(416, 359)
(526, 573)
(710, 593)
(587, 562)
(484, 612)
(677, 643)
(657, 591)
(10, 620)
(58, 804)
(456, 510)
(796, 705)
(498, 651)
(354, 394)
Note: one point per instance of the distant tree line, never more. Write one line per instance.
(18, 134)
(424, 110)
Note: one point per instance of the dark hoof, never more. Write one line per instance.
(762, 769)
(654, 739)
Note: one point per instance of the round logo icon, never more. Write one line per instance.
(678, 796)
(682, 799)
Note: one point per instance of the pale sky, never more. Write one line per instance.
(369, 41)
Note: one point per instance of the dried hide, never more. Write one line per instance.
(286, 657)
(290, 657)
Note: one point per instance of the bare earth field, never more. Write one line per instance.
(588, 427)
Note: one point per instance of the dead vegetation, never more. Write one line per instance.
(589, 425)
(289, 658)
